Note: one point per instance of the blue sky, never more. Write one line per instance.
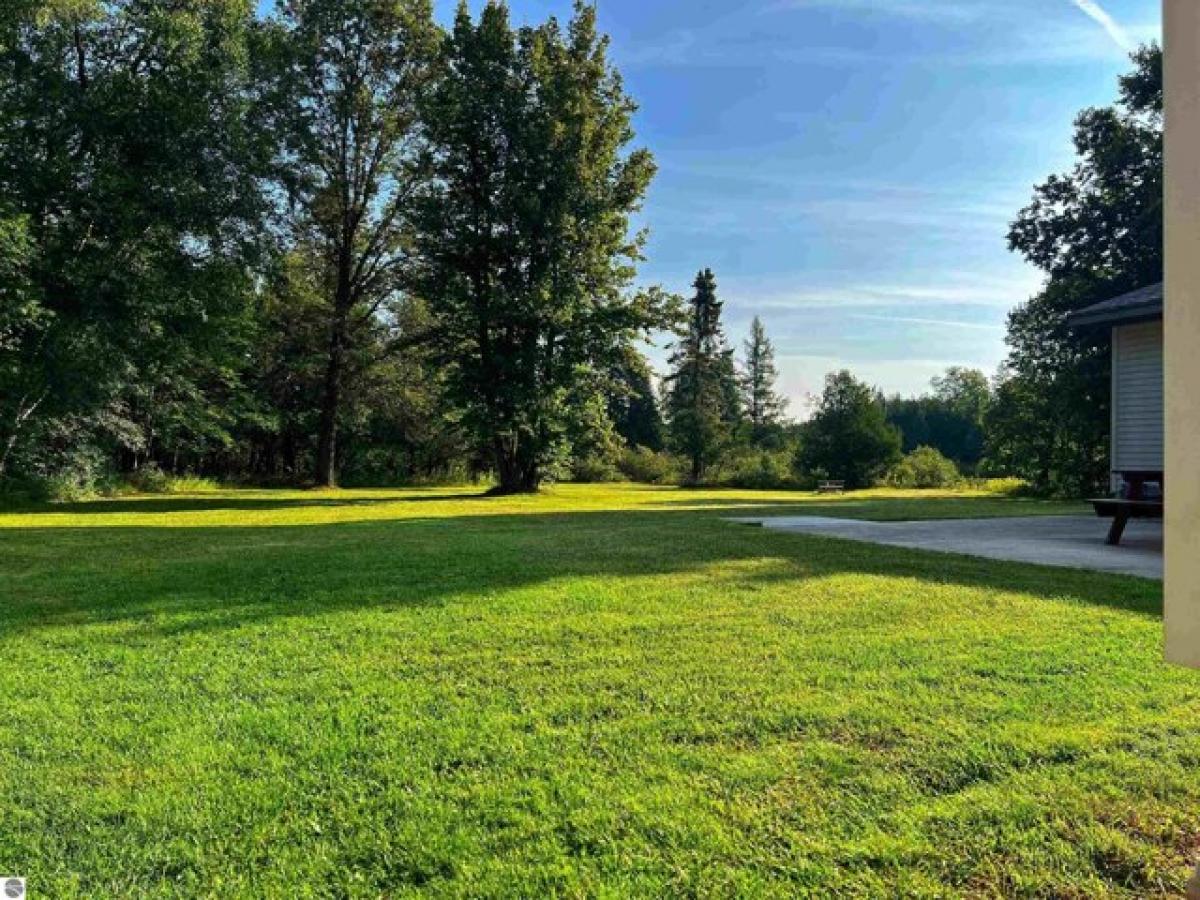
(849, 167)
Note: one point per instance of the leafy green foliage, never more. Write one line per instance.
(848, 437)
(703, 404)
(925, 468)
(524, 233)
(129, 164)
(346, 98)
(951, 419)
(646, 466)
(633, 404)
(762, 470)
(1097, 233)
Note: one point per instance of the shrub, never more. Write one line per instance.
(150, 479)
(645, 466)
(191, 484)
(925, 467)
(762, 471)
(595, 470)
(76, 476)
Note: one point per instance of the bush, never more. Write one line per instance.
(925, 467)
(191, 484)
(150, 479)
(645, 466)
(762, 471)
(595, 470)
(78, 476)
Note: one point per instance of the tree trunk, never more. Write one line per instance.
(339, 339)
(517, 475)
(331, 398)
(24, 413)
(8, 449)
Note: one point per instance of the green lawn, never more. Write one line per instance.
(603, 691)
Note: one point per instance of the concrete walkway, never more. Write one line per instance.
(1075, 542)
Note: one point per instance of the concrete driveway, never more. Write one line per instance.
(1075, 542)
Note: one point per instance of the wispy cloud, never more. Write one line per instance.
(941, 11)
(679, 48)
(935, 323)
(958, 289)
(986, 35)
(1104, 19)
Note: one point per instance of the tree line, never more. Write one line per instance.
(344, 243)
(337, 239)
(727, 422)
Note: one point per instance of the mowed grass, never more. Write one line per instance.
(601, 691)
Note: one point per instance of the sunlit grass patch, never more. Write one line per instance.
(599, 691)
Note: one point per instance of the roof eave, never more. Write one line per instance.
(1114, 318)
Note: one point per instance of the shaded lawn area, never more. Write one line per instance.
(601, 691)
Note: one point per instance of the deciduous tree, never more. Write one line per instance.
(128, 165)
(349, 83)
(525, 239)
(1096, 232)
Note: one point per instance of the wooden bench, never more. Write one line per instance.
(831, 487)
(1134, 505)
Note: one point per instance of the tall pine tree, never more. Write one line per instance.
(764, 407)
(702, 400)
(633, 405)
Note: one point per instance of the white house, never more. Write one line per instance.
(1136, 320)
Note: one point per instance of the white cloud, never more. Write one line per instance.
(954, 290)
(948, 12)
(1101, 16)
(935, 323)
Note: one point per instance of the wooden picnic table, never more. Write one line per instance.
(1134, 503)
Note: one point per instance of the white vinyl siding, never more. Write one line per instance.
(1138, 397)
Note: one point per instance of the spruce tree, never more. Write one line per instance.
(702, 398)
(849, 437)
(764, 408)
(632, 403)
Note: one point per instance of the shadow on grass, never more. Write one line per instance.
(167, 581)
